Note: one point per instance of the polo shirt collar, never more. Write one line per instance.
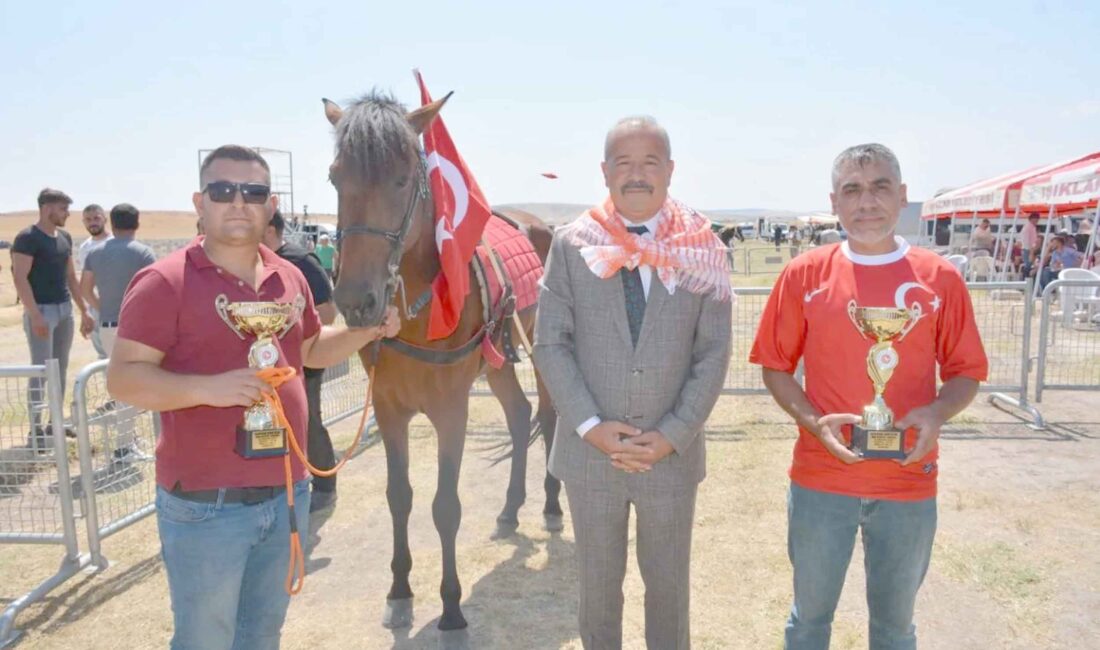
(196, 255)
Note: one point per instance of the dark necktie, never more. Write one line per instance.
(635, 293)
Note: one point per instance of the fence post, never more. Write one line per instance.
(54, 391)
(87, 471)
(1025, 367)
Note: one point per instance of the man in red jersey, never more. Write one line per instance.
(222, 516)
(834, 492)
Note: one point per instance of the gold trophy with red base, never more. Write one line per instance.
(876, 436)
(260, 435)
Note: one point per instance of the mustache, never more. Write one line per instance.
(637, 185)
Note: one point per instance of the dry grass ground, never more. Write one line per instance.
(1014, 565)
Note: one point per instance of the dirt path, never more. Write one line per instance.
(1014, 564)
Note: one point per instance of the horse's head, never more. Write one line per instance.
(382, 188)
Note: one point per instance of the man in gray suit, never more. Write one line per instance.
(633, 341)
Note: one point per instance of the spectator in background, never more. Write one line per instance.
(319, 445)
(1029, 238)
(1063, 255)
(95, 222)
(45, 280)
(326, 252)
(109, 269)
(107, 272)
(796, 241)
(982, 239)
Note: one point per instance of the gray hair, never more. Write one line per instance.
(636, 123)
(862, 154)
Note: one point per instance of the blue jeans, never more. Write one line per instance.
(897, 546)
(226, 565)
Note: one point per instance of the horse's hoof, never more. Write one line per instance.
(399, 613)
(454, 640)
(504, 530)
(451, 621)
(553, 523)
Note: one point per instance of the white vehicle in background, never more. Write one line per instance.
(748, 230)
(309, 232)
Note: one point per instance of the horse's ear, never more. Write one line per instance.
(423, 116)
(332, 111)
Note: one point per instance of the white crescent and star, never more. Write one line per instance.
(452, 175)
(899, 295)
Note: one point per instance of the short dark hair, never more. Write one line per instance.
(93, 207)
(233, 152)
(278, 223)
(124, 217)
(49, 195)
(1033, 215)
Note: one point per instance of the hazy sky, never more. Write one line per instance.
(111, 101)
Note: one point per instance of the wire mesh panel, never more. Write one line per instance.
(1069, 339)
(744, 378)
(33, 448)
(36, 500)
(343, 391)
(117, 481)
(1002, 317)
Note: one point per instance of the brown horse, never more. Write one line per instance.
(387, 238)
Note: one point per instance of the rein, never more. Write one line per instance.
(396, 238)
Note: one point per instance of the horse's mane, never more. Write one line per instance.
(374, 137)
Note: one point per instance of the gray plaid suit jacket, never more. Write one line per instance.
(669, 382)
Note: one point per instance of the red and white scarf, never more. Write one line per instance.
(684, 251)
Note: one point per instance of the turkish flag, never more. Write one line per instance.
(461, 213)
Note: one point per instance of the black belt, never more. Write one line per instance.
(113, 323)
(247, 495)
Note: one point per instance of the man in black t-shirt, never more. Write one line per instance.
(319, 445)
(45, 280)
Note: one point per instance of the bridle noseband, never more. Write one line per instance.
(396, 238)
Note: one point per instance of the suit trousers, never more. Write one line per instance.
(601, 518)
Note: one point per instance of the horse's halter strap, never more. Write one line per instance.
(396, 238)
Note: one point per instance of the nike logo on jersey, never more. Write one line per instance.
(810, 294)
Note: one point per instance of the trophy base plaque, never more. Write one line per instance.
(878, 443)
(261, 443)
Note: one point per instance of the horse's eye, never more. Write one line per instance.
(403, 181)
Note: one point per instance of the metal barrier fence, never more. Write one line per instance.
(114, 482)
(1069, 339)
(1004, 319)
(36, 499)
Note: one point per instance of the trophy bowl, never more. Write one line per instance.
(260, 318)
(882, 323)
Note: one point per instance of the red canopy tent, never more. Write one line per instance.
(1068, 189)
(995, 197)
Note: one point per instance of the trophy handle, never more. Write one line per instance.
(852, 316)
(221, 304)
(299, 307)
(915, 314)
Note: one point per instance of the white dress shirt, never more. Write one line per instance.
(645, 272)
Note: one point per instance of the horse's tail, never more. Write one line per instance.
(503, 451)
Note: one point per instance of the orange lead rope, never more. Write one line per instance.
(276, 377)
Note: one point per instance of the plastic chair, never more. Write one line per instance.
(980, 266)
(1074, 297)
(959, 262)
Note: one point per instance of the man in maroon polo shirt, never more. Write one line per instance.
(223, 520)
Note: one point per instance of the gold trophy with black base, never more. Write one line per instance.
(876, 436)
(260, 435)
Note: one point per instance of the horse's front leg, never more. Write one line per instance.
(449, 420)
(393, 425)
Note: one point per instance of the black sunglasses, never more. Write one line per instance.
(224, 191)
